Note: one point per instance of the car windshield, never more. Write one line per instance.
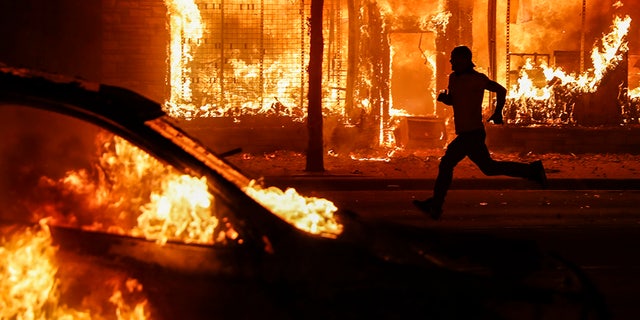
(76, 174)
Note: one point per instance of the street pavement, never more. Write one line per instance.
(588, 213)
(416, 171)
(341, 182)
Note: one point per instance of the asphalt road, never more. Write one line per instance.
(477, 209)
(599, 230)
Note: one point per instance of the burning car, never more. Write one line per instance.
(100, 184)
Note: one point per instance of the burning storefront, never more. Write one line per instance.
(384, 61)
(237, 60)
(236, 72)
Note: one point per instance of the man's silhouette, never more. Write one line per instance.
(465, 94)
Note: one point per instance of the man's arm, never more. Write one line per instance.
(444, 96)
(501, 96)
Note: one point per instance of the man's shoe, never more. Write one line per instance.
(428, 207)
(538, 175)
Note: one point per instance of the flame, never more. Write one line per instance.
(28, 275)
(163, 204)
(526, 98)
(614, 45)
(310, 214)
(386, 158)
(185, 27)
(30, 288)
(437, 23)
(168, 205)
(262, 84)
(180, 210)
(123, 309)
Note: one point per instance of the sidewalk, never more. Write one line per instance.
(418, 170)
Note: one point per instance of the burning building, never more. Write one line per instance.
(229, 64)
(385, 60)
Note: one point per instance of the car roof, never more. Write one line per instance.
(112, 103)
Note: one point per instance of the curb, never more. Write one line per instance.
(342, 183)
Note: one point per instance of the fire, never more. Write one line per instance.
(164, 205)
(31, 289)
(185, 27)
(310, 214)
(552, 100)
(614, 45)
(180, 210)
(167, 205)
(28, 275)
(438, 22)
(123, 309)
(244, 79)
(387, 158)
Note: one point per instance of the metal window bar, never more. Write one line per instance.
(254, 54)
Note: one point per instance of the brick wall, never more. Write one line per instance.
(62, 36)
(117, 42)
(134, 46)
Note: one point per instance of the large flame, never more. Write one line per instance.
(245, 81)
(180, 210)
(185, 27)
(165, 205)
(527, 98)
(31, 289)
(313, 215)
(310, 214)
(137, 195)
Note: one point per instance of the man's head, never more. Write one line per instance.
(461, 59)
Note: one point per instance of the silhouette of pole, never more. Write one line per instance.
(315, 152)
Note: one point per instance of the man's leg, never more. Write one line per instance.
(433, 206)
(479, 154)
(456, 151)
